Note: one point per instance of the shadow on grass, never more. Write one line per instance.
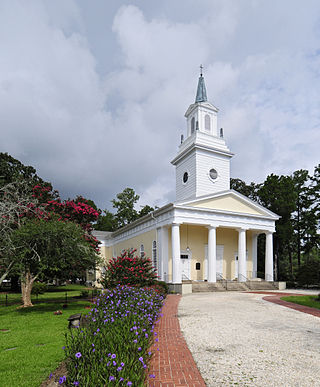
(52, 307)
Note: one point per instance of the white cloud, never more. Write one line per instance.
(95, 135)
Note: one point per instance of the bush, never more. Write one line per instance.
(161, 287)
(84, 293)
(129, 269)
(114, 346)
(39, 288)
(309, 274)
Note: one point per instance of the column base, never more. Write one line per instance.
(183, 288)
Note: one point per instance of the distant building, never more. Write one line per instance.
(210, 232)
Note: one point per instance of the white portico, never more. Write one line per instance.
(210, 232)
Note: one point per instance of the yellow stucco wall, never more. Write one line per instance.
(145, 239)
(228, 203)
(106, 253)
(196, 237)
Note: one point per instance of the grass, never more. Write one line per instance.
(53, 293)
(37, 336)
(303, 300)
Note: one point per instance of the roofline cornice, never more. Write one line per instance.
(209, 210)
(188, 150)
(151, 215)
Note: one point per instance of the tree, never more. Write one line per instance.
(304, 218)
(145, 211)
(249, 191)
(12, 170)
(124, 204)
(106, 222)
(49, 246)
(125, 214)
(278, 195)
(20, 203)
(17, 203)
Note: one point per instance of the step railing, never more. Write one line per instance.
(223, 280)
(243, 279)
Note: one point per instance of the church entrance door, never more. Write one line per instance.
(185, 259)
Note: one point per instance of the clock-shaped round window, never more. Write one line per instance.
(185, 177)
(213, 174)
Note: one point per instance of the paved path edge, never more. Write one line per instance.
(276, 299)
(172, 364)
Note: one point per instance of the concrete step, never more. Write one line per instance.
(262, 285)
(198, 287)
(237, 286)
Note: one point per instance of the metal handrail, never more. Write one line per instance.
(185, 278)
(246, 280)
(223, 280)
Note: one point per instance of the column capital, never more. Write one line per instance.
(175, 224)
(267, 232)
(241, 229)
(256, 232)
(211, 226)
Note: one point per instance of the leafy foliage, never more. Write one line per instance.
(106, 222)
(39, 288)
(12, 170)
(125, 211)
(113, 346)
(309, 273)
(129, 269)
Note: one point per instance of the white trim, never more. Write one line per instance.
(213, 181)
(189, 254)
(231, 192)
(188, 179)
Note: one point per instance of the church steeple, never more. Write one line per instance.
(201, 90)
(203, 160)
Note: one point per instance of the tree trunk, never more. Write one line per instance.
(26, 288)
(299, 238)
(4, 276)
(290, 262)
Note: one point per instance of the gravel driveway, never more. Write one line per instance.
(240, 339)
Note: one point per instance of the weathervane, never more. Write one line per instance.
(201, 68)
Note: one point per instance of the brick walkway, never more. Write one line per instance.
(172, 364)
(275, 298)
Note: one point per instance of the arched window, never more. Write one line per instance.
(192, 124)
(207, 122)
(142, 254)
(154, 255)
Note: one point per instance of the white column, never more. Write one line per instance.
(164, 254)
(242, 268)
(269, 257)
(175, 238)
(254, 254)
(212, 254)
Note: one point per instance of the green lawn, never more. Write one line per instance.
(37, 336)
(303, 300)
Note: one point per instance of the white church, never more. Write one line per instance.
(209, 234)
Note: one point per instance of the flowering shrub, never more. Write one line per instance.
(113, 347)
(129, 269)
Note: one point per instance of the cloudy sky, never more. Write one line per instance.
(93, 93)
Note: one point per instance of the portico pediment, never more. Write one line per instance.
(230, 201)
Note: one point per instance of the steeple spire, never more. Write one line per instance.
(201, 91)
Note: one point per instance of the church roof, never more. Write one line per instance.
(201, 91)
(229, 201)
